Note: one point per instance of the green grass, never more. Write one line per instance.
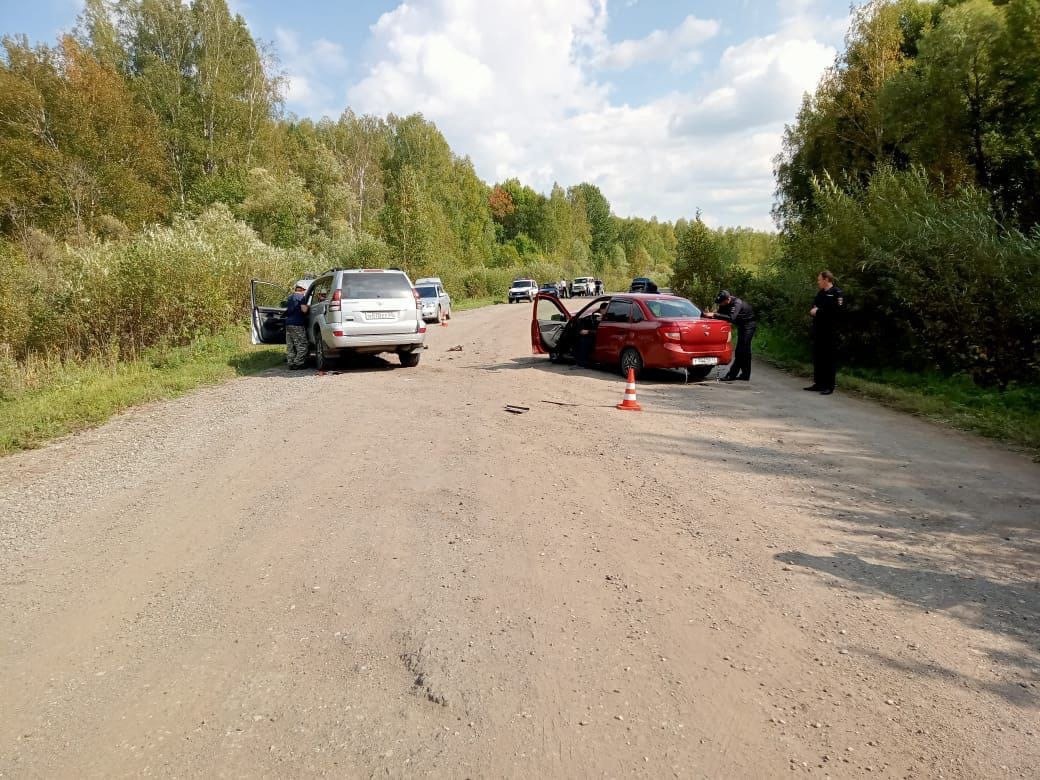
(1011, 416)
(67, 397)
(465, 304)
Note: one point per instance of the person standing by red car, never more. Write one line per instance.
(740, 313)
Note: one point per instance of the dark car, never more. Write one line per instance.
(550, 288)
(636, 331)
(642, 284)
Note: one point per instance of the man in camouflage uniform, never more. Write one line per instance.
(296, 327)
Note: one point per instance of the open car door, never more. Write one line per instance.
(548, 321)
(268, 312)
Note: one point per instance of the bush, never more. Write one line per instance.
(931, 281)
(166, 286)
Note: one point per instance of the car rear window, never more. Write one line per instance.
(666, 308)
(427, 291)
(375, 285)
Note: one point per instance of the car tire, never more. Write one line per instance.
(409, 359)
(440, 315)
(630, 358)
(321, 358)
(448, 315)
(699, 373)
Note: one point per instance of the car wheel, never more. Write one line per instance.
(409, 359)
(440, 315)
(699, 373)
(448, 315)
(321, 358)
(631, 358)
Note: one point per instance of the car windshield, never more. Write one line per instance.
(665, 308)
(375, 285)
(523, 283)
(427, 291)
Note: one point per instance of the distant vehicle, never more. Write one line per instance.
(358, 311)
(583, 285)
(434, 301)
(642, 284)
(523, 290)
(550, 288)
(637, 331)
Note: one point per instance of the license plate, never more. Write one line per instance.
(709, 361)
(380, 315)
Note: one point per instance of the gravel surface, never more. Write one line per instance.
(380, 571)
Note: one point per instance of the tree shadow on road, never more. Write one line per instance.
(932, 523)
(603, 373)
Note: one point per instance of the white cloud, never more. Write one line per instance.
(308, 69)
(677, 46)
(519, 91)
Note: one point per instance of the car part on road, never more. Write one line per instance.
(517, 409)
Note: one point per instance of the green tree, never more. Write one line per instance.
(603, 233)
(279, 209)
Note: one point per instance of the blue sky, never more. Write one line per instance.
(668, 106)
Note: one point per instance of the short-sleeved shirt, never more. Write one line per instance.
(293, 313)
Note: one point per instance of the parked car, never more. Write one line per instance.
(642, 284)
(550, 288)
(583, 285)
(434, 301)
(355, 311)
(637, 331)
(523, 290)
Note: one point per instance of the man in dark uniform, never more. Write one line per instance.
(740, 313)
(586, 328)
(826, 313)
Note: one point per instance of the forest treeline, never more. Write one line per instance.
(147, 171)
(124, 145)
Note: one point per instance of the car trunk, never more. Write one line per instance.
(702, 333)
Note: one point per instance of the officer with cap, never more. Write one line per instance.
(296, 326)
(740, 313)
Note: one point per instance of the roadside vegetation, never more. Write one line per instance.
(147, 172)
(912, 173)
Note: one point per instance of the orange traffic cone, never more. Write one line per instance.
(629, 402)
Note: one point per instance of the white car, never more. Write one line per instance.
(523, 290)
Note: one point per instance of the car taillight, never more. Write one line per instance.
(672, 334)
(422, 329)
(418, 300)
(334, 304)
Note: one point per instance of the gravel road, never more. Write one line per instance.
(380, 572)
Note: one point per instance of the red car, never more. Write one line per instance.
(634, 331)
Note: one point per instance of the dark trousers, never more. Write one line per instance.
(825, 359)
(741, 366)
(585, 348)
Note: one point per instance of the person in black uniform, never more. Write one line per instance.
(740, 313)
(828, 307)
(585, 331)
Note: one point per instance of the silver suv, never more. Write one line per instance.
(433, 299)
(355, 311)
